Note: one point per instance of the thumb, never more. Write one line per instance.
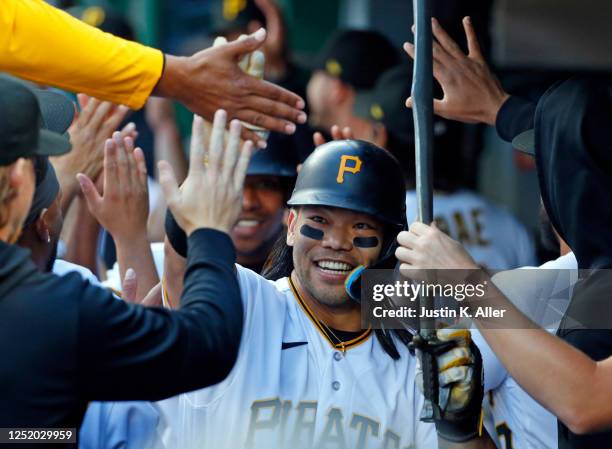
(92, 197)
(249, 44)
(129, 285)
(168, 183)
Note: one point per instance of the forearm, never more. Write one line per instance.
(81, 236)
(108, 67)
(135, 252)
(174, 271)
(168, 147)
(560, 377)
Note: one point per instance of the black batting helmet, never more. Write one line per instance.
(278, 159)
(354, 175)
(361, 177)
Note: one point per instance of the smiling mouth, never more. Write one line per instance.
(334, 267)
(247, 223)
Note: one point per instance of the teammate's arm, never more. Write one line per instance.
(197, 345)
(174, 270)
(564, 380)
(37, 42)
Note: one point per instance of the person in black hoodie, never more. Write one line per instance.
(64, 342)
(569, 133)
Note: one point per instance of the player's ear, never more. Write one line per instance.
(291, 223)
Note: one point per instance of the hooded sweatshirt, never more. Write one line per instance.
(573, 135)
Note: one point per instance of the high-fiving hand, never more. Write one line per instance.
(472, 93)
(211, 195)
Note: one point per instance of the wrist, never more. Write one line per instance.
(497, 102)
(133, 237)
(173, 78)
(189, 229)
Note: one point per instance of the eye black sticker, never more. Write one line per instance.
(311, 233)
(365, 242)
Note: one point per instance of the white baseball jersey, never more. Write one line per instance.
(492, 236)
(291, 389)
(519, 422)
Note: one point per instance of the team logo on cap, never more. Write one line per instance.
(348, 164)
(376, 111)
(231, 8)
(333, 67)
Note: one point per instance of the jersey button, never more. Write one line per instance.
(337, 356)
(336, 385)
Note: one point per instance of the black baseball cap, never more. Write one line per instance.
(357, 57)
(22, 132)
(228, 15)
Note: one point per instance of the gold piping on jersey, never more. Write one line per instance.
(166, 303)
(340, 345)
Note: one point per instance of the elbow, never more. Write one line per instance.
(580, 419)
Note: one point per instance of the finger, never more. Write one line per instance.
(336, 133)
(318, 139)
(409, 48)
(453, 375)
(100, 114)
(123, 165)
(247, 134)
(115, 118)
(90, 193)
(407, 239)
(462, 336)
(409, 102)
(246, 45)
(405, 255)
(418, 228)
(132, 168)
(215, 146)
(141, 166)
(82, 100)
(197, 150)
(129, 286)
(89, 109)
(474, 50)
(110, 168)
(275, 109)
(242, 165)
(456, 356)
(347, 133)
(446, 42)
(129, 130)
(169, 186)
(273, 92)
(232, 150)
(243, 63)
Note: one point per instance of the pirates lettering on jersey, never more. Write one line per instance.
(295, 426)
(345, 168)
(468, 230)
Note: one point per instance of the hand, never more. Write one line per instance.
(460, 382)
(211, 195)
(123, 208)
(472, 93)
(345, 134)
(275, 46)
(212, 79)
(93, 125)
(425, 247)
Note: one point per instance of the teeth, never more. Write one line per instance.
(334, 266)
(247, 223)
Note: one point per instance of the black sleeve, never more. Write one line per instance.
(176, 236)
(514, 117)
(129, 352)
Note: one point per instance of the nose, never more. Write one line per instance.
(337, 239)
(250, 199)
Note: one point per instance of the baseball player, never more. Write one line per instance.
(308, 375)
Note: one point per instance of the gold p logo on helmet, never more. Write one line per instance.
(344, 167)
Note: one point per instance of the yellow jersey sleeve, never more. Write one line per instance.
(48, 46)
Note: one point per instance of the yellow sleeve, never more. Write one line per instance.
(43, 44)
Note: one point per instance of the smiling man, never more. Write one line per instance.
(308, 375)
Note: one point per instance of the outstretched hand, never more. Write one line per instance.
(212, 79)
(472, 93)
(211, 195)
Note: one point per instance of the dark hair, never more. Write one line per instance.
(279, 263)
